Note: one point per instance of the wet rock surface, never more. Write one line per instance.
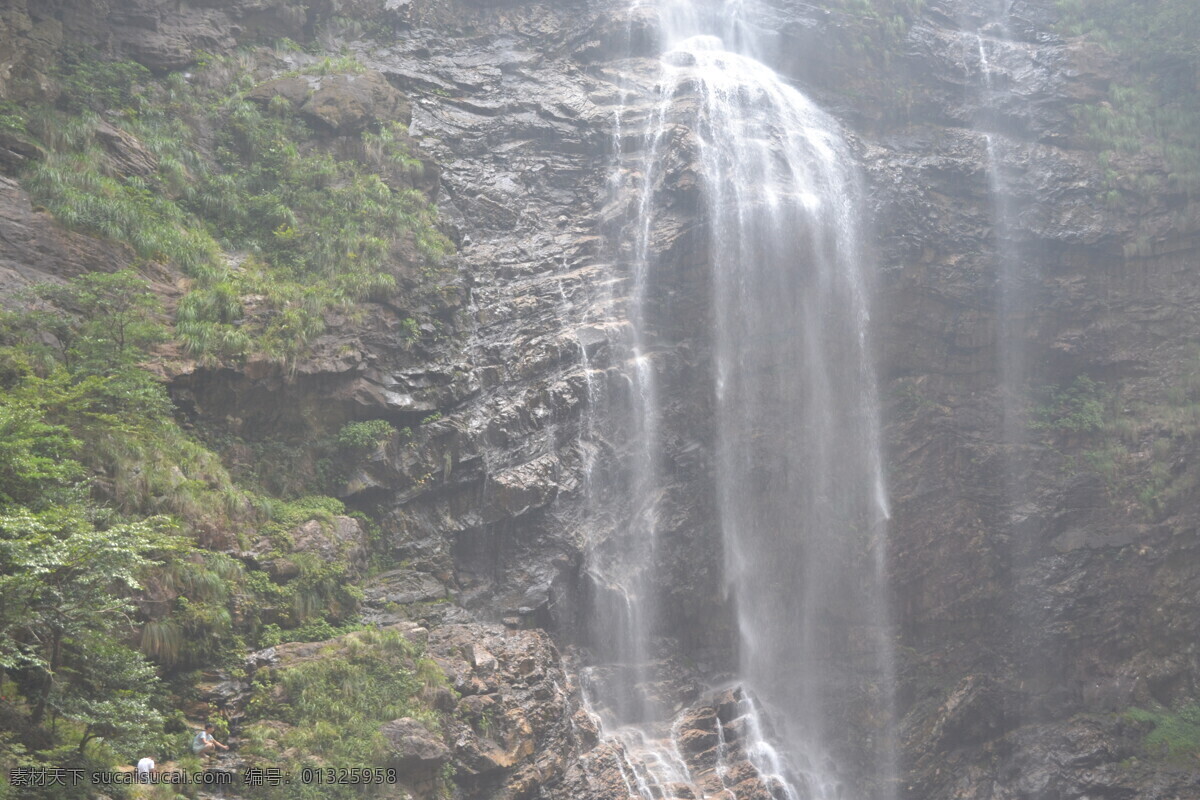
(413, 747)
(35, 249)
(340, 104)
(989, 616)
(1026, 630)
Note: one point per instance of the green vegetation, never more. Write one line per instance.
(886, 25)
(910, 399)
(311, 231)
(66, 581)
(364, 435)
(334, 706)
(97, 586)
(1077, 408)
(87, 447)
(1175, 736)
(1136, 444)
(88, 81)
(86, 387)
(319, 630)
(331, 65)
(1156, 110)
(114, 599)
(72, 569)
(872, 39)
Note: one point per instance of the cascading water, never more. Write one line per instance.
(1017, 278)
(799, 479)
(1011, 300)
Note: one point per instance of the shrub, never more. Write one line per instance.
(1155, 109)
(1175, 735)
(364, 435)
(1078, 408)
(322, 231)
(336, 705)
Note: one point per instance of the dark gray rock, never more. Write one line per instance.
(412, 746)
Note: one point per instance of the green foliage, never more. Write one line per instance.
(882, 27)
(318, 630)
(336, 704)
(411, 329)
(192, 624)
(82, 405)
(65, 605)
(1156, 110)
(1175, 735)
(325, 230)
(321, 231)
(90, 82)
(113, 697)
(95, 470)
(35, 456)
(73, 188)
(1138, 448)
(12, 119)
(286, 514)
(364, 435)
(319, 594)
(1078, 408)
(321, 588)
(332, 65)
(101, 322)
(90, 399)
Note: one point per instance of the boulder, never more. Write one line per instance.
(343, 104)
(124, 154)
(413, 746)
(295, 89)
(341, 539)
(292, 654)
(16, 151)
(36, 249)
(350, 103)
(404, 586)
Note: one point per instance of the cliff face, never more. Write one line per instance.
(1029, 624)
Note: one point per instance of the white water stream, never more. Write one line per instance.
(1011, 300)
(799, 479)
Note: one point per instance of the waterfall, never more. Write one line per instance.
(799, 475)
(1011, 300)
(799, 482)
(1003, 61)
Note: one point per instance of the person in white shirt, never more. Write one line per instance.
(145, 768)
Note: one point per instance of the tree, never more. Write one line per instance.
(101, 321)
(109, 688)
(35, 456)
(65, 588)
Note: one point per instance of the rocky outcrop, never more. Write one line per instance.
(413, 748)
(35, 249)
(342, 104)
(973, 602)
(124, 154)
(504, 716)
(161, 35)
(1017, 641)
(339, 541)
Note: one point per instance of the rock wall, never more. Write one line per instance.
(1025, 627)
